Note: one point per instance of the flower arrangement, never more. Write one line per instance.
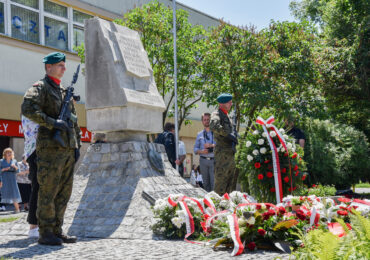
(255, 162)
(237, 220)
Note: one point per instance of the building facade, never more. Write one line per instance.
(30, 29)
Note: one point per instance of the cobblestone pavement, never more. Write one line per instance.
(19, 246)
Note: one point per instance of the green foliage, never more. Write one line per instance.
(335, 154)
(318, 191)
(322, 244)
(342, 56)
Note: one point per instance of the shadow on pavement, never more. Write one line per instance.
(28, 248)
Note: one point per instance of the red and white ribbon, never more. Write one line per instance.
(209, 220)
(209, 203)
(235, 235)
(275, 157)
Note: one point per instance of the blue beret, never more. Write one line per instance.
(224, 98)
(54, 57)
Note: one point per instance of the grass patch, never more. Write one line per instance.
(8, 219)
(363, 185)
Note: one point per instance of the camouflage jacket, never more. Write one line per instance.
(42, 104)
(221, 126)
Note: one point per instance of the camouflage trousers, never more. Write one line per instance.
(55, 177)
(225, 171)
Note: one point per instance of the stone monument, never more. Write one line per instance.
(118, 181)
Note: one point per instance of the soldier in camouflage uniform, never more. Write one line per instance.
(42, 104)
(221, 125)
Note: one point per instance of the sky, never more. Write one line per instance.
(244, 12)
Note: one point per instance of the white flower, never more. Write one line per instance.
(289, 146)
(272, 134)
(255, 132)
(282, 131)
(251, 221)
(293, 150)
(177, 222)
(263, 150)
(255, 152)
(249, 158)
(261, 141)
(282, 149)
(264, 134)
(285, 137)
(248, 144)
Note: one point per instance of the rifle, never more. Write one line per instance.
(65, 112)
(234, 132)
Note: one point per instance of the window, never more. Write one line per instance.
(80, 17)
(29, 3)
(56, 34)
(25, 24)
(2, 24)
(43, 21)
(56, 9)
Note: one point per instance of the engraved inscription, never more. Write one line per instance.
(133, 56)
(142, 97)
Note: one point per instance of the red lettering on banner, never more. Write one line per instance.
(14, 129)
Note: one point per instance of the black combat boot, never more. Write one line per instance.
(66, 239)
(49, 239)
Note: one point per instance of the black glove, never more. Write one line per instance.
(61, 125)
(77, 154)
(233, 138)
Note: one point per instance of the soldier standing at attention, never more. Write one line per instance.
(42, 104)
(221, 126)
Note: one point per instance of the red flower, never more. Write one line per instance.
(296, 173)
(269, 174)
(268, 214)
(282, 210)
(294, 188)
(289, 189)
(258, 207)
(260, 177)
(267, 161)
(286, 179)
(257, 165)
(272, 189)
(286, 154)
(295, 168)
(251, 246)
(313, 185)
(268, 206)
(300, 214)
(261, 231)
(283, 170)
(303, 177)
(342, 212)
(294, 155)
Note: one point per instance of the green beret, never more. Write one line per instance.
(224, 98)
(54, 57)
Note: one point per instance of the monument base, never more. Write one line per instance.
(114, 189)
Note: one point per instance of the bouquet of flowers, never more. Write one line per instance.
(258, 172)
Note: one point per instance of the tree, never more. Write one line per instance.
(154, 22)
(343, 59)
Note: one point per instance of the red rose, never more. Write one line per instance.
(294, 155)
(257, 165)
(267, 161)
(258, 207)
(300, 214)
(269, 174)
(268, 214)
(289, 189)
(261, 231)
(303, 177)
(268, 206)
(313, 185)
(282, 210)
(296, 173)
(260, 177)
(295, 168)
(294, 188)
(251, 246)
(283, 170)
(286, 179)
(342, 212)
(286, 154)
(272, 189)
